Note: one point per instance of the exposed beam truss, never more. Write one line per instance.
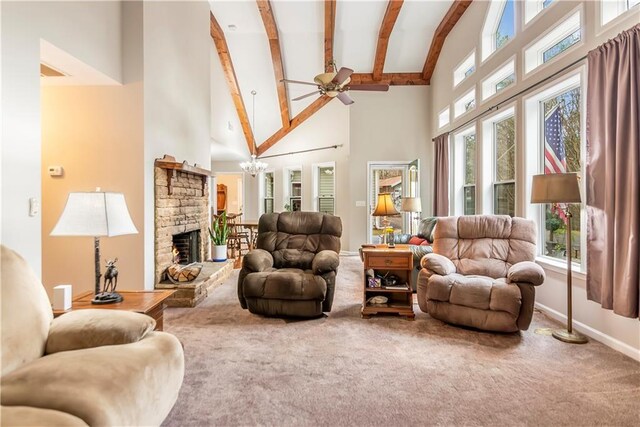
(389, 20)
(264, 6)
(297, 121)
(329, 30)
(393, 79)
(232, 81)
(450, 19)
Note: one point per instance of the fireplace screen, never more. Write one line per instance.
(186, 247)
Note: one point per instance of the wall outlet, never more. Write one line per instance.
(55, 170)
(361, 204)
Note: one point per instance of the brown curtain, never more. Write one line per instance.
(441, 175)
(613, 174)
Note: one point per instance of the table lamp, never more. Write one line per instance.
(96, 214)
(385, 208)
(561, 188)
(411, 205)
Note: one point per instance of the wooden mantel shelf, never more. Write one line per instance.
(170, 164)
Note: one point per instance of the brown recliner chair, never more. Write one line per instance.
(481, 273)
(293, 270)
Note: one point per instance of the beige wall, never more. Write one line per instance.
(616, 331)
(95, 133)
(177, 102)
(88, 30)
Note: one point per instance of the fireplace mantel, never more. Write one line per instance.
(170, 164)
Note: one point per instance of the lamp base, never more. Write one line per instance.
(107, 298)
(569, 337)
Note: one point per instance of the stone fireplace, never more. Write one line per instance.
(187, 247)
(182, 206)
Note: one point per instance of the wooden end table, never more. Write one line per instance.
(399, 262)
(150, 303)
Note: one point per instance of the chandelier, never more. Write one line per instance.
(255, 166)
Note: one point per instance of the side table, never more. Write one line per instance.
(150, 303)
(385, 261)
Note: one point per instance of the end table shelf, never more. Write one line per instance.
(397, 261)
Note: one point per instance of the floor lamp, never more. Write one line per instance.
(385, 208)
(561, 188)
(411, 205)
(96, 214)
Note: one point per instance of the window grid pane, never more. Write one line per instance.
(561, 150)
(470, 159)
(504, 199)
(505, 30)
(504, 134)
(470, 200)
(561, 46)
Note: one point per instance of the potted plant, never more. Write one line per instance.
(218, 232)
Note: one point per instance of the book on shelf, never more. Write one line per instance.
(398, 287)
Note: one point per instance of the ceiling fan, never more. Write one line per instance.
(336, 84)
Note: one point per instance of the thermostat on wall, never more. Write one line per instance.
(55, 170)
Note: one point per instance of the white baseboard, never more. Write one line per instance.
(605, 339)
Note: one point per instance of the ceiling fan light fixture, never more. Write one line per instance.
(324, 79)
(332, 93)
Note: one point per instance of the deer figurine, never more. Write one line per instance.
(111, 276)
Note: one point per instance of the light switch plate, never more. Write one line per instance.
(34, 206)
(361, 203)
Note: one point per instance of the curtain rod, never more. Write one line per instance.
(525, 90)
(301, 151)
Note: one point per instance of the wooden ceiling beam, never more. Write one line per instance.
(295, 122)
(264, 6)
(393, 79)
(329, 30)
(450, 19)
(232, 81)
(389, 20)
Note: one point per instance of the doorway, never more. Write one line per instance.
(398, 178)
(231, 185)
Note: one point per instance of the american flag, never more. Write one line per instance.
(555, 158)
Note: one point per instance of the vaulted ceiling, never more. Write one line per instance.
(259, 42)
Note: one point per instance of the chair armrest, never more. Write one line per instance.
(96, 328)
(325, 261)
(438, 264)
(526, 271)
(257, 260)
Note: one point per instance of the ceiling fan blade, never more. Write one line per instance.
(375, 87)
(305, 96)
(346, 99)
(298, 82)
(342, 76)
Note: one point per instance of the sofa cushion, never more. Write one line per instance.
(480, 292)
(426, 228)
(25, 416)
(26, 312)
(94, 328)
(125, 385)
(415, 240)
(285, 284)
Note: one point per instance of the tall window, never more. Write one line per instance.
(295, 190)
(469, 187)
(505, 30)
(504, 187)
(268, 192)
(561, 153)
(325, 189)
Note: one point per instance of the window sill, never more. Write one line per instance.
(560, 267)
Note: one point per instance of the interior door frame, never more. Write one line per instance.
(405, 164)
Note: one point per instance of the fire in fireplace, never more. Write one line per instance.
(186, 247)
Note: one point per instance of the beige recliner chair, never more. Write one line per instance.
(481, 273)
(87, 367)
(293, 270)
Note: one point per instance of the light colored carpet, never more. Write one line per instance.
(243, 369)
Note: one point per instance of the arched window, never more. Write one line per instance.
(499, 26)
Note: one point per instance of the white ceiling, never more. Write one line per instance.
(301, 30)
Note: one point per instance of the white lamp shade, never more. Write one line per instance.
(95, 214)
(411, 204)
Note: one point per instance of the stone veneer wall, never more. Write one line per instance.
(185, 209)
